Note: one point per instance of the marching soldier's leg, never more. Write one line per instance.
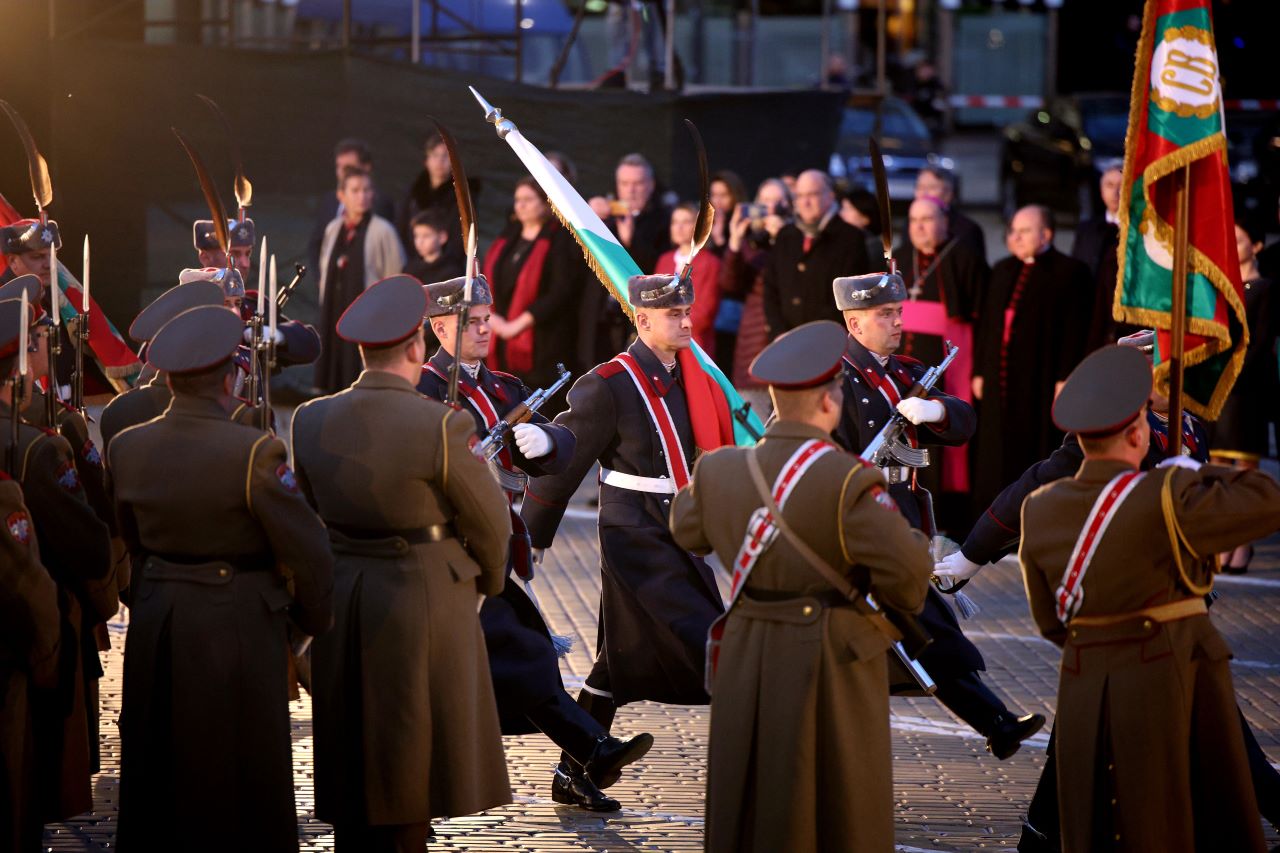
(1041, 831)
(590, 752)
(970, 700)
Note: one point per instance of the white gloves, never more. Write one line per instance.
(1179, 462)
(248, 335)
(532, 441)
(919, 410)
(958, 567)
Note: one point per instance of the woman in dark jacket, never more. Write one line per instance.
(534, 270)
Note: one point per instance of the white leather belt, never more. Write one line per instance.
(631, 482)
(895, 474)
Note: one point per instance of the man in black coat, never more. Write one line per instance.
(1097, 239)
(935, 182)
(523, 659)
(1032, 324)
(640, 416)
(807, 254)
(876, 385)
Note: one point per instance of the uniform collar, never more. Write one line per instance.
(795, 430)
(182, 405)
(382, 379)
(1101, 470)
(443, 362)
(652, 367)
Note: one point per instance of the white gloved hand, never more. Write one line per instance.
(958, 567)
(919, 410)
(1180, 462)
(533, 441)
(248, 335)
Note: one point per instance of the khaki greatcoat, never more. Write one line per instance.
(800, 756)
(1150, 754)
(406, 726)
(216, 524)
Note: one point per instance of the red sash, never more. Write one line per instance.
(660, 416)
(1070, 593)
(888, 390)
(517, 353)
(482, 404)
(760, 534)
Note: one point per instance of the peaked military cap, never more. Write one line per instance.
(28, 235)
(445, 297)
(197, 340)
(854, 292)
(205, 239)
(1144, 341)
(170, 304)
(227, 278)
(1105, 393)
(659, 291)
(14, 287)
(387, 313)
(804, 357)
(10, 326)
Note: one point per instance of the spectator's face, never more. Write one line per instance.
(1109, 186)
(428, 242)
(32, 263)
(437, 164)
(813, 198)
(852, 215)
(530, 208)
(1245, 248)
(722, 199)
(1028, 234)
(347, 159)
(771, 196)
(929, 184)
(357, 195)
(926, 226)
(682, 222)
(667, 329)
(879, 329)
(634, 186)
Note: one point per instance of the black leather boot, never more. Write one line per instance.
(610, 755)
(575, 788)
(1008, 732)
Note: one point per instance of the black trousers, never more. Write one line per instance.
(969, 699)
(596, 699)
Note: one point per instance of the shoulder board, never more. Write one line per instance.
(47, 430)
(909, 361)
(510, 377)
(608, 369)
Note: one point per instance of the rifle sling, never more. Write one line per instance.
(819, 565)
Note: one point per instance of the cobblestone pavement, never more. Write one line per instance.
(950, 794)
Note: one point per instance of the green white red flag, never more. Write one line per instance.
(1175, 119)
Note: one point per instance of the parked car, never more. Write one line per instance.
(905, 142)
(1055, 155)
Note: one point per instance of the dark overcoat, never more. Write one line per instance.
(216, 525)
(800, 748)
(656, 600)
(406, 728)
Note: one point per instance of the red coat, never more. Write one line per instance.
(706, 295)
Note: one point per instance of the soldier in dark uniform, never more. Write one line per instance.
(76, 550)
(522, 654)
(1149, 755)
(802, 664)
(151, 397)
(876, 384)
(205, 240)
(225, 552)
(644, 416)
(72, 425)
(998, 532)
(29, 628)
(406, 727)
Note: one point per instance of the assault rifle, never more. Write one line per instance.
(498, 437)
(888, 448)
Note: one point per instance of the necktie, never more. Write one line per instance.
(808, 243)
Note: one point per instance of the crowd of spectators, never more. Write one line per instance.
(1022, 323)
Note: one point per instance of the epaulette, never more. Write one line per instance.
(510, 376)
(608, 369)
(908, 360)
(47, 430)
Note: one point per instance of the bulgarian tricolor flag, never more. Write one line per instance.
(1175, 119)
(613, 266)
(118, 363)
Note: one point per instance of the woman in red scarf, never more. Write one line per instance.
(706, 274)
(532, 268)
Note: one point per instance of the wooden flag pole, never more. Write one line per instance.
(1178, 308)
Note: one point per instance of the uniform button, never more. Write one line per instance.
(871, 423)
(855, 379)
(865, 400)
(222, 573)
(808, 610)
(1146, 624)
(1113, 801)
(1111, 767)
(800, 266)
(666, 500)
(402, 546)
(1074, 634)
(795, 300)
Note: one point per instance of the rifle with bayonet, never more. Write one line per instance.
(887, 448)
(500, 435)
(283, 297)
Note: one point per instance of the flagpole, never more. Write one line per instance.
(1178, 308)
